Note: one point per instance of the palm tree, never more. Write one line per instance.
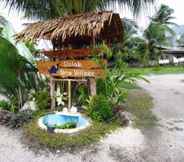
(158, 31)
(45, 9)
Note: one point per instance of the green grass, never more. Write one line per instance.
(158, 70)
(39, 138)
(140, 104)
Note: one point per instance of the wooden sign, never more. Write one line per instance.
(73, 68)
(80, 73)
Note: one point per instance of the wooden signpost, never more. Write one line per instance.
(72, 70)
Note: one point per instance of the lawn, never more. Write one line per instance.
(158, 70)
(140, 104)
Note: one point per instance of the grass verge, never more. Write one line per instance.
(158, 70)
(34, 134)
(140, 104)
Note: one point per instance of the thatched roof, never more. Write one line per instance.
(77, 29)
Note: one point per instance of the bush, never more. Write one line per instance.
(42, 100)
(34, 136)
(5, 105)
(99, 108)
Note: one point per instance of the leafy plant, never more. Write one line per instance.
(5, 105)
(81, 94)
(42, 99)
(99, 108)
(68, 125)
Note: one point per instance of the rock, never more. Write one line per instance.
(125, 117)
(65, 110)
(74, 109)
(5, 117)
(30, 105)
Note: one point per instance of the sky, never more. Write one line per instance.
(17, 18)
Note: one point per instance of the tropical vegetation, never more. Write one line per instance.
(147, 46)
(56, 8)
(23, 83)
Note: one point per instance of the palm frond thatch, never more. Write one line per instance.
(83, 28)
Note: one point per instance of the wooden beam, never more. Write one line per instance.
(71, 53)
(52, 94)
(92, 82)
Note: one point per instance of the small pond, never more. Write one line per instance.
(61, 122)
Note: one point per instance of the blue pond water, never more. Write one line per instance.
(59, 119)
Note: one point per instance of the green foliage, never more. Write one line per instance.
(141, 50)
(42, 99)
(69, 125)
(56, 8)
(113, 85)
(5, 105)
(91, 135)
(164, 15)
(18, 76)
(158, 70)
(81, 94)
(99, 108)
(11, 105)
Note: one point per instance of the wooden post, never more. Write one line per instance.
(52, 94)
(69, 96)
(92, 82)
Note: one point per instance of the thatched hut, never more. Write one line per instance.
(72, 36)
(76, 31)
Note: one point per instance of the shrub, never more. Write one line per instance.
(11, 105)
(81, 94)
(99, 108)
(42, 100)
(5, 105)
(34, 136)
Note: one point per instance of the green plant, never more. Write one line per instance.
(81, 94)
(68, 125)
(99, 108)
(42, 99)
(5, 105)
